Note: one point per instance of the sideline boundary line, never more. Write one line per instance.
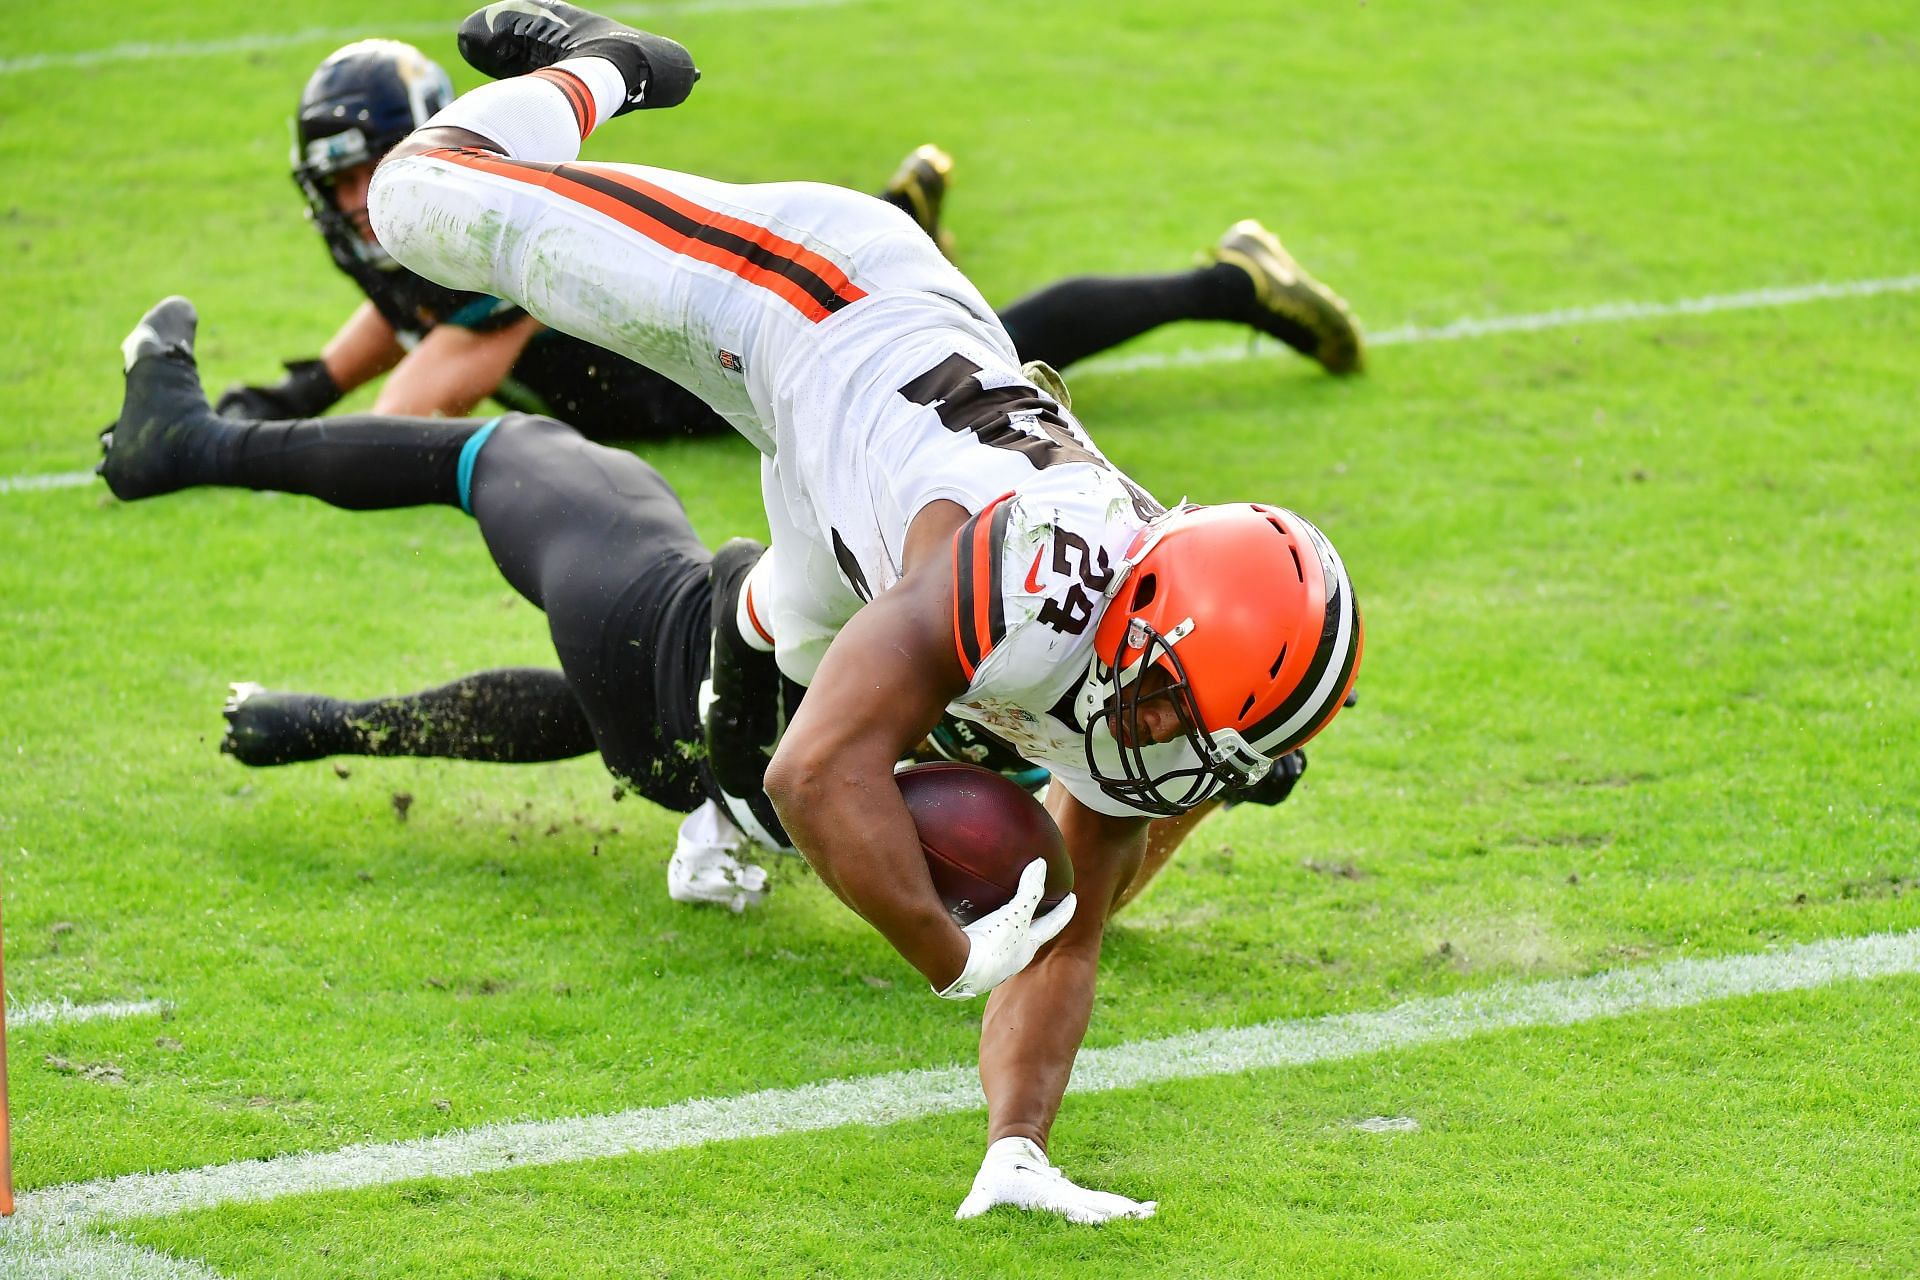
(34, 1251)
(147, 51)
(1404, 335)
(887, 1099)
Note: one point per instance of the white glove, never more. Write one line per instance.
(1004, 941)
(703, 868)
(1016, 1172)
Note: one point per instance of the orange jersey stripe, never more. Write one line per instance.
(979, 614)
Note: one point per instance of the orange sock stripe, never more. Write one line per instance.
(753, 616)
(579, 97)
(812, 284)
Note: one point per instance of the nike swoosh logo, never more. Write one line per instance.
(494, 12)
(1033, 574)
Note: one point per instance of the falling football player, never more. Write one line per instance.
(945, 535)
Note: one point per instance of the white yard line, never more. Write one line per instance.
(47, 480)
(1405, 335)
(143, 51)
(1533, 322)
(908, 1095)
(38, 1013)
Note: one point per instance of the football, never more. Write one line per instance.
(978, 831)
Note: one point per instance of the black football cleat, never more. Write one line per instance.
(267, 728)
(919, 186)
(514, 37)
(1288, 303)
(149, 448)
(745, 703)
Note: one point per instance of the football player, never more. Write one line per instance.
(448, 349)
(944, 533)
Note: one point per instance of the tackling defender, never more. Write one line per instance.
(448, 349)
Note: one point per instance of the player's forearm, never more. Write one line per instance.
(1029, 1038)
(453, 369)
(1164, 836)
(855, 831)
(364, 349)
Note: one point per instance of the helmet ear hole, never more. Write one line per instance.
(1144, 591)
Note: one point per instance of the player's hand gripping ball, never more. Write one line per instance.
(979, 831)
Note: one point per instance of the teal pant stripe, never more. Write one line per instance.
(469, 452)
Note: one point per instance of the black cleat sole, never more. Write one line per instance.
(514, 37)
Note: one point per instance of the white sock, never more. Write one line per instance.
(751, 618)
(543, 116)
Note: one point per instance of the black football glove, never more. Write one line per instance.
(307, 391)
(1277, 785)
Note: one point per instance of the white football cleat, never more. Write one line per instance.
(704, 869)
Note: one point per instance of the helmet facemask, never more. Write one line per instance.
(315, 166)
(1114, 699)
(1203, 597)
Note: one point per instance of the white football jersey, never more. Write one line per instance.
(872, 376)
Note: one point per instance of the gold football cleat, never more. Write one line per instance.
(919, 185)
(1292, 305)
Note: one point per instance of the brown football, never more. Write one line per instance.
(979, 831)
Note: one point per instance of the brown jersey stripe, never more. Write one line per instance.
(813, 285)
(579, 97)
(979, 611)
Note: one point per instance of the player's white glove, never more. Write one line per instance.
(1016, 1172)
(704, 868)
(1004, 941)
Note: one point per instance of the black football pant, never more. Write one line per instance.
(593, 536)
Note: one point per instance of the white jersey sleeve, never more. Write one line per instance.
(1029, 572)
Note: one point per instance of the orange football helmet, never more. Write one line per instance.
(1249, 613)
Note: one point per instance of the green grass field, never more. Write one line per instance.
(1642, 678)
